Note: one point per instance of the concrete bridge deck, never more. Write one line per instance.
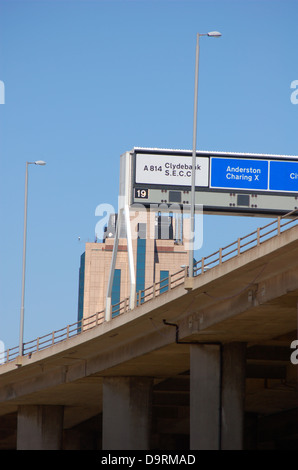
(248, 302)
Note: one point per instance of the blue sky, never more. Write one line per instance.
(87, 80)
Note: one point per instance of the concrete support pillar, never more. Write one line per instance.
(205, 365)
(127, 403)
(217, 391)
(233, 393)
(39, 427)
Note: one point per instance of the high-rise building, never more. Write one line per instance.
(159, 250)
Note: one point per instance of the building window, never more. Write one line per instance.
(141, 268)
(115, 298)
(164, 281)
(164, 227)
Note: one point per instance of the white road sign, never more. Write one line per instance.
(170, 170)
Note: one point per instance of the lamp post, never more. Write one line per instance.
(39, 162)
(213, 34)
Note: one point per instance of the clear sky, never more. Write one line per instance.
(86, 80)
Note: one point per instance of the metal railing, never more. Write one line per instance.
(55, 337)
(238, 247)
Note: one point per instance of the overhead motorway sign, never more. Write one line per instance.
(226, 183)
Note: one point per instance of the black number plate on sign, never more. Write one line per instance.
(141, 193)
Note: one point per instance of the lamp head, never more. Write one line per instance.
(40, 162)
(214, 34)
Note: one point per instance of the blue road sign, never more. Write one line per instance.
(283, 176)
(239, 173)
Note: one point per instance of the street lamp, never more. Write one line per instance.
(213, 34)
(40, 163)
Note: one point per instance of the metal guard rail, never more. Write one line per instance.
(241, 245)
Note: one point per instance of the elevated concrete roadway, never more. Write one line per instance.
(245, 309)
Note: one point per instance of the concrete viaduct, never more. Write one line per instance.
(202, 366)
